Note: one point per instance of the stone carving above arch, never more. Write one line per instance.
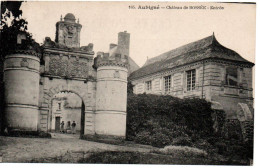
(69, 68)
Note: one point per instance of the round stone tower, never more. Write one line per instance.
(21, 81)
(111, 95)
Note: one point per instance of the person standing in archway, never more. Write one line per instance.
(73, 126)
(68, 128)
(62, 127)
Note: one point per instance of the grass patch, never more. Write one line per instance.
(113, 157)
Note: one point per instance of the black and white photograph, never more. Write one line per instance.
(121, 82)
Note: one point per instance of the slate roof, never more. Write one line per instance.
(205, 48)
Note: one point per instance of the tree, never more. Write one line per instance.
(12, 6)
(11, 25)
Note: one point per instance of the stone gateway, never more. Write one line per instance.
(32, 80)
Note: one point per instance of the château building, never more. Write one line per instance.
(204, 69)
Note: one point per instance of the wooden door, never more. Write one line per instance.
(57, 124)
(82, 122)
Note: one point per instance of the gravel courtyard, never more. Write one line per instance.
(16, 149)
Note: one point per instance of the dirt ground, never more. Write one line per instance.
(16, 149)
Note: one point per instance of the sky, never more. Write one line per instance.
(152, 32)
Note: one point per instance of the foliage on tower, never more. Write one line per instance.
(13, 27)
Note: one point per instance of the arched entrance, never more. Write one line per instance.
(83, 90)
(66, 114)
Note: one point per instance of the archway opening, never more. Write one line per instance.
(66, 115)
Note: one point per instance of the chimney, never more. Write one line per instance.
(123, 43)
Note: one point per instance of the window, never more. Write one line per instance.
(148, 85)
(191, 78)
(167, 83)
(59, 106)
(231, 76)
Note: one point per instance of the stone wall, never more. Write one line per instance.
(230, 96)
(178, 83)
(210, 84)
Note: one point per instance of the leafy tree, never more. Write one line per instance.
(12, 6)
(11, 25)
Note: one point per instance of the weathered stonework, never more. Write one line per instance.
(68, 31)
(111, 96)
(21, 79)
(33, 79)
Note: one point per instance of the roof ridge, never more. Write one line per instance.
(213, 39)
(207, 47)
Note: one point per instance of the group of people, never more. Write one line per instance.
(70, 128)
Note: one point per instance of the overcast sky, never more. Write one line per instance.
(152, 31)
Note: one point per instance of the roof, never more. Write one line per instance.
(132, 65)
(205, 48)
(69, 17)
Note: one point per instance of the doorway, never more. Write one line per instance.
(82, 122)
(57, 124)
(67, 107)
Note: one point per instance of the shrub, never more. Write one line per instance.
(205, 145)
(219, 117)
(222, 147)
(157, 120)
(158, 139)
(182, 141)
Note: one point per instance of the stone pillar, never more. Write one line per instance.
(111, 97)
(21, 78)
